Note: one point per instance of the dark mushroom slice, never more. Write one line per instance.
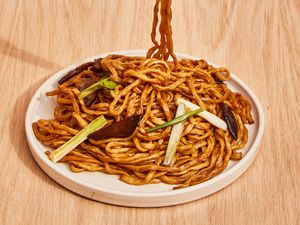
(87, 82)
(121, 129)
(216, 79)
(90, 99)
(74, 72)
(104, 95)
(230, 120)
(97, 66)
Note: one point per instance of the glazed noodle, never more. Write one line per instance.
(165, 48)
(149, 87)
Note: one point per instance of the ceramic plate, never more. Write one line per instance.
(107, 188)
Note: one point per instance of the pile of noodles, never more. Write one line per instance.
(150, 86)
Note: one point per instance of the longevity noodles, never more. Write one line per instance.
(139, 102)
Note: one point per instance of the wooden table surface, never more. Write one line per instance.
(257, 40)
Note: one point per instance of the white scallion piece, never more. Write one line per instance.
(213, 119)
(175, 136)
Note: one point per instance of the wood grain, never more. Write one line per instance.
(257, 40)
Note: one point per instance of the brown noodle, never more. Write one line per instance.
(149, 86)
(165, 48)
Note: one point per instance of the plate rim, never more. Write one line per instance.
(253, 149)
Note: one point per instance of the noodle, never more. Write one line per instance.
(150, 86)
(165, 48)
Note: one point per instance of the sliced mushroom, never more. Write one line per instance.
(121, 129)
(97, 66)
(230, 120)
(74, 72)
(90, 99)
(104, 95)
(217, 80)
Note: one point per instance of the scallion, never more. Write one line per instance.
(81, 136)
(175, 136)
(176, 120)
(104, 82)
(213, 119)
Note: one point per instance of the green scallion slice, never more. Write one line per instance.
(81, 136)
(104, 82)
(176, 120)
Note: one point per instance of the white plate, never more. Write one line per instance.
(107, 188)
